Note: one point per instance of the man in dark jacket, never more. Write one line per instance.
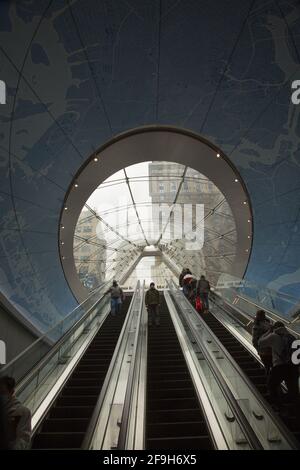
(262, 325)
(280, 340)
(182, 274)
(116, 298)
(17, 417)
(152, 304)
(203, 289)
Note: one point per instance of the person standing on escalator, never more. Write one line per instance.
(16, 418)
(280, 340)
(203, 289)
(262, 325)
(152, 304)
(117, 298)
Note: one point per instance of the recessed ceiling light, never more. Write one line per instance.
(236, 180)
(95, 159)
(76, 185)
(63, 257)
(247, 250)
(245, 202)
(249, 236)
(218, 155)
(249, 221)
(66, 208)
(62, 243)
(62, 226)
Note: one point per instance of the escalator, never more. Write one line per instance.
(252, 368)
(66, 423)
(174, 419)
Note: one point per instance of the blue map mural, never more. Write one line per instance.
(79, 72)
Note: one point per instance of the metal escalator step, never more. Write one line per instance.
(65, 424)
(71, 411)
(82, 381)
(159, 392)
(171, 403)
(162, 376)
(80, 390)
(88, 375)
(162, 369)
(77, 400)
(96, 368)
(258, 370)
(173, 416)
(187, 442)
(245, 359)
(58, 440)
(177, 429)
(258, 379)
(168, 384)
(157, 355)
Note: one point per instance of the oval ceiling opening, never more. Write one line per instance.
(149, 203)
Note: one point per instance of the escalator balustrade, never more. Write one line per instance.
(66, 423)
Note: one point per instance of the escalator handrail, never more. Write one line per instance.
(132, 376)
(243, 422)
(89, 435)
(269, 314)
(263, 403)
(23, 381)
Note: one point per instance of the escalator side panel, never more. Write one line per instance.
(66, 423)
(252, 368)
(174, 419)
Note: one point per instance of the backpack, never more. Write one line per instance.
(287, 349)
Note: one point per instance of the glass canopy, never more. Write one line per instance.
(167, 207)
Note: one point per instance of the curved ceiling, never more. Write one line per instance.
(80, 72)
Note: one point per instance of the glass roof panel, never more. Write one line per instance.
(165, 204)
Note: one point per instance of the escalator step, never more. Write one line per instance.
(160, 392)
(169, 384)
(158, 377)
(80, 390)
(173, 416)
(58, 440)
(66, 424)
(80, 400)
(193, 442)
(171, 403)
(177, 429)
(71, 411)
